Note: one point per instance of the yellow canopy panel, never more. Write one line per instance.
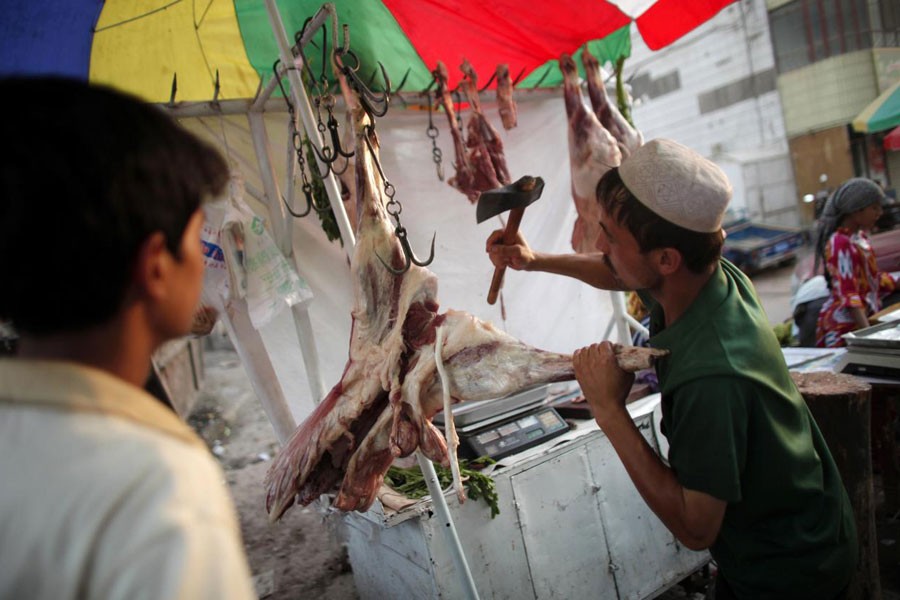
(138, 46)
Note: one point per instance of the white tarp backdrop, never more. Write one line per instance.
(547, 311)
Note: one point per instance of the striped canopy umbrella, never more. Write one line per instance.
(882, 113)
(141, 46)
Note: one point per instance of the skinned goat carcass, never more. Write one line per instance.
(506, 105)
(628, 138)
(592, 152)
(382, 406)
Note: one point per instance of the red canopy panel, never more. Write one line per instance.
(525, 35)
(892, 140)
(668, 20)
(521, 34)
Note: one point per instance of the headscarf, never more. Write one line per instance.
(852, 195)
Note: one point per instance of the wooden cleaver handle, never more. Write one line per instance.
(509, 237)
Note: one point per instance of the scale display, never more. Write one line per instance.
(508, 437)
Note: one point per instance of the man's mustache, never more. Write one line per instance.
(609, 264)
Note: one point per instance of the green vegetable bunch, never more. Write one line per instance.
(411, 482)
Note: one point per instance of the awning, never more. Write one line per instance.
(892, 140)
(882, 113)
(141, 46)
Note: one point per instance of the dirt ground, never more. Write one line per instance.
(302, 555)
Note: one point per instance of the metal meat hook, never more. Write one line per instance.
(408, 256)
(311, 203)
(367, 97)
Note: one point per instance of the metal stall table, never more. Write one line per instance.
(571, 525)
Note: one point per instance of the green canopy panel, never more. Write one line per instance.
(882, 113)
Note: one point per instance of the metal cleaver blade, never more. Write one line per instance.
(518, 194)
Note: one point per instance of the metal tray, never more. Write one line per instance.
(484, 411)
(885, 335)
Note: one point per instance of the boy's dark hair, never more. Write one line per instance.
(651, 231)
(88, 174)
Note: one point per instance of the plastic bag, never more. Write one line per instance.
(254, 267)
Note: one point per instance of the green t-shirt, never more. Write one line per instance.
(739, 430)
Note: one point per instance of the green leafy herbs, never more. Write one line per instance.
(411, 482)
(320, 197)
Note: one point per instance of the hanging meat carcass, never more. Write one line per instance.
(479, 161)
(628, 138)
(464, 179)
(383, 404)
(482, 141)
(506, 105)
(592, 152)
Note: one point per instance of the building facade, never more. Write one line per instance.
(715, 90)
(833, 58)
(768, 90)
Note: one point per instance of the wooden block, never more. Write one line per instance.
(841, 405)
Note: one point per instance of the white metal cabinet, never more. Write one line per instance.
(571, 525)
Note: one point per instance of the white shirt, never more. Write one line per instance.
(105, 493)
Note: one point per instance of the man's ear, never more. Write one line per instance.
(668, 260)
(152, 266)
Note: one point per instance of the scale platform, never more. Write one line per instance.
(503, 426)
(874, 351)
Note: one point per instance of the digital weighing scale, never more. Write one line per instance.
(503, 426)
(874, 351)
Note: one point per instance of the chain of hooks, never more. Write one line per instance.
(394, 208)
(432, 132)
(329, 154)
(376, 105)
(297, 143)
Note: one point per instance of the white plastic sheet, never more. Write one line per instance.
(547, 311)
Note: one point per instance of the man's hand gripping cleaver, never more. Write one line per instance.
(513, 198)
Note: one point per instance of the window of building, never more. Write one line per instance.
(806, 31)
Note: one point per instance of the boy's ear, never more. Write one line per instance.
(152, 266)
(668, 260)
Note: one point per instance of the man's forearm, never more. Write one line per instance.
(588, 268)
(692, 517)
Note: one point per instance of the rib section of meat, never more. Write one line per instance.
(383, 404)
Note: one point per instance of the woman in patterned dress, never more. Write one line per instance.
(857, 287)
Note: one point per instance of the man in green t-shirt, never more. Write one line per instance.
(748, 474)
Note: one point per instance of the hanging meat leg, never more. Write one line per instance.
(592, 152)
(628, 138)
(506, 105)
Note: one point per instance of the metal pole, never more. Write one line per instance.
(281, 229)
(619, 314)
(250, 347)
(303, 107)
(442, 512)
(303, 325)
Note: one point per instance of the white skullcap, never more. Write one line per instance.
(677, 184)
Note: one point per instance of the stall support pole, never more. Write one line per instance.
(282, 233)
(303, 107)
(443, 514)
(621, 320)
(280, 230)
(249, 345)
